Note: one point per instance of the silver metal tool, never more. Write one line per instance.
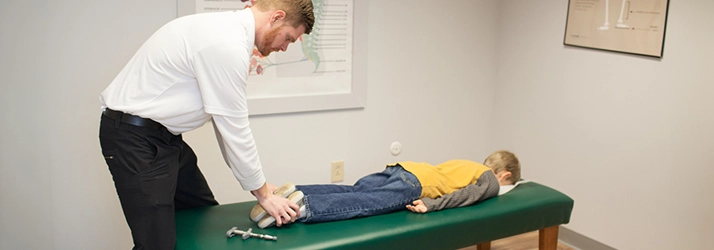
(247, 234)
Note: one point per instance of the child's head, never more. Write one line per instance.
(505, 165)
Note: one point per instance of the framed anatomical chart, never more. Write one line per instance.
(325, 70)
(628, 26)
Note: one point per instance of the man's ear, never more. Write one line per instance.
(277, 16)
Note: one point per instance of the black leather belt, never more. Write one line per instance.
(132, 119)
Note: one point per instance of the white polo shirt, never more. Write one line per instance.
(193, 69)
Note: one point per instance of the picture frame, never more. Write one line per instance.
(352, 97)
(628, 26)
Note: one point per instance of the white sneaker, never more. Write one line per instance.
(269, 221)
(258, 212)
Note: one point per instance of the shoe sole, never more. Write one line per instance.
(257, 213)
(295, 197)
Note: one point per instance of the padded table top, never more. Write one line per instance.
(528, 207)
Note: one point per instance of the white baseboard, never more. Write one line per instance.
(579, 241)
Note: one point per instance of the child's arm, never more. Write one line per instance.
(486, 187)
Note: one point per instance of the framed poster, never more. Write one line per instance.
(628, 26)
(325, 70)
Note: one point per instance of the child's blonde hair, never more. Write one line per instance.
(504, 160)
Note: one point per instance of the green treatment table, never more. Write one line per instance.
(526, 208)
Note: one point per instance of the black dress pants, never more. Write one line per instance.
(155, 173)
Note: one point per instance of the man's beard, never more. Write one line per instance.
(266, 48)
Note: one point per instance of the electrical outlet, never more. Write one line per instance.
(338, 171)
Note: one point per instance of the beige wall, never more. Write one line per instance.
(629, 138)
(431, 82)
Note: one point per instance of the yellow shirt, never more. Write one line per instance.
(446, 177)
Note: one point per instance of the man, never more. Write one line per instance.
(192, 70)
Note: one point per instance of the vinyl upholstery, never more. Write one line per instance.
(528, 207)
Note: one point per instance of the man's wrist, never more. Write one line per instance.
(261, 193)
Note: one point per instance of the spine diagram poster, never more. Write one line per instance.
(317, 65)
(628, 26)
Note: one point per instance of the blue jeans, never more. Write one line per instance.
(378, 193)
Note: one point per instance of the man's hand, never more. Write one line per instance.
(417, 207)
(283, 210)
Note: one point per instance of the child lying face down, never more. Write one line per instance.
(418, 187)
